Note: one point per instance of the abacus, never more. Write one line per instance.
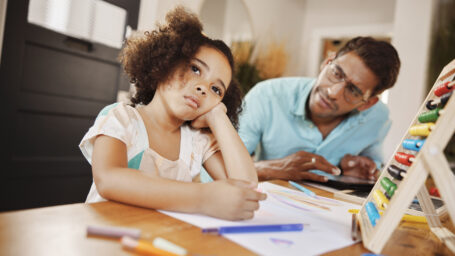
(420, 153)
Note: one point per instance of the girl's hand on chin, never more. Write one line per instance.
(204, 120)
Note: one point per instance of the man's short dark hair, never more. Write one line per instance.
(379, 56)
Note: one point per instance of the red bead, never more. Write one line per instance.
(403, 158)
(443, 89)
(434, 192)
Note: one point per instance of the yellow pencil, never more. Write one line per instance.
(406, 217)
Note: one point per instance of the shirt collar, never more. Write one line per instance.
(301, 99)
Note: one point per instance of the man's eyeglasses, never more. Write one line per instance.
(352, 94)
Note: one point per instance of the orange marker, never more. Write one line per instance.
(143, 247)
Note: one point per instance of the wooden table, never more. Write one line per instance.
(61, 230)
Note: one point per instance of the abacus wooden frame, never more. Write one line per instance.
(429, 160)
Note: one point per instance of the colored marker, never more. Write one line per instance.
(254, 229)
(166, 245)
(406, 217)
(143, 247)
(302, 188)
(115, 232)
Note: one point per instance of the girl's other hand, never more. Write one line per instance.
(204, 120)
(231, 199)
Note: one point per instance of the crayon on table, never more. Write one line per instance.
(166, 245)
(143, 247)
(302, 188)
(115, 232)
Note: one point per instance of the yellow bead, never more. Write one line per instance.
(380, 199)
(421, 129)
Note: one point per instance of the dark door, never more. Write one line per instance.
(52, 87)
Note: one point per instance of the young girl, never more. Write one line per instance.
(147, 154)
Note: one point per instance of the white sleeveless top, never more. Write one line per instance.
(124, 123)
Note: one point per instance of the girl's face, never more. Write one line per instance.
(197, 87)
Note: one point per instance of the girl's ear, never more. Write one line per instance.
(370, 102)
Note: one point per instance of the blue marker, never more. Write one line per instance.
(302, 188)
(254, 229)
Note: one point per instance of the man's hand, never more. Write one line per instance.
(359, 166)
(295, 167)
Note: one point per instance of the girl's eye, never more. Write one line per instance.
(195, 69)
(216, 90)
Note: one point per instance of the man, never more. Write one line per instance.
(334, 123)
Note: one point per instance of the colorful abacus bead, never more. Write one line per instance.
(388, 186)
(372, 213)
(414, 145)
(430, 116)
(421, 129)
(396, 172)
(438, 102)
(404, 158)
(380, 199)
(444, 88)
(434, 192)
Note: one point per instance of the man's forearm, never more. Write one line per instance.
(270, 169)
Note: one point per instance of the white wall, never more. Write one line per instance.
(147, 14)
(412, 38)
(213, 16)
(338, 18)
(267, 23)
(2, 23)
(152, 11)
(279, 20)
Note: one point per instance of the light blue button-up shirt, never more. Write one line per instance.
(274, 116)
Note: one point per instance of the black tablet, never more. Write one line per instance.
(346, 182)
(349, 182)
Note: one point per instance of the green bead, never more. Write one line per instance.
(392, 189)
(386, 183)
(388, 186)
(430, 116)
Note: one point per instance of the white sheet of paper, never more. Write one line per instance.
(324, 230)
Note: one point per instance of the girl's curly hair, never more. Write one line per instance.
(150, 60)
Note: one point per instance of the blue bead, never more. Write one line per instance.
(372, 212)
(414, 145)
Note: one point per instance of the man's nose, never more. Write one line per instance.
(335, 90)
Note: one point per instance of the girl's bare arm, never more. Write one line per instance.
(115, 181)
(237, 161)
